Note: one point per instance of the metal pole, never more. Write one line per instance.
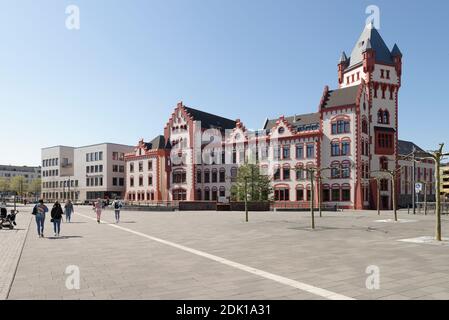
(437, 196)
(413, 180)
(393, 184)
(319, 194)
(246, 198)
(378, 196)
(425, 198)
(311, 199)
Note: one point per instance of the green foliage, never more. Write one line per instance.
(4, 185)
(19, 185)
(258, 186)
(35, 186)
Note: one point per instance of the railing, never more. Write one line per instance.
(431, 207)
(155, 204)
(301, 205)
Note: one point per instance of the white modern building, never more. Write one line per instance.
(29, 173)
(84, 173)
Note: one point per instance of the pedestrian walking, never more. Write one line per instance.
(68, 210)
(117, 205)
(98, 205)
(39, 211)
(56, 217)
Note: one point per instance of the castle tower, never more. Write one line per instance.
(380, 69)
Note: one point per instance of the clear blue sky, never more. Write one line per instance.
(119, 77)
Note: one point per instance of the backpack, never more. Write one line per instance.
(117, 205)
(34, 210)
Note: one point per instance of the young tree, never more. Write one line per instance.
(19, 185)
(257, 185)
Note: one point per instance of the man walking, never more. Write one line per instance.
(117, 205)
(68, 208)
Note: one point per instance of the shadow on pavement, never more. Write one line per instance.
(63, 237)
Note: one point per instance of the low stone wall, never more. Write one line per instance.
(252, 206)
(197, 206)
(214, 206)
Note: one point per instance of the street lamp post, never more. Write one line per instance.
(311, 197)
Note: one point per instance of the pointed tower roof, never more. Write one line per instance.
(396, 52)
(370, 39)
(343, 57)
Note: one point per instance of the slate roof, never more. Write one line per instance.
(406, 148)
(298, 122)
(370, 38)
(210, 121)
(341, 97)
(156, 143)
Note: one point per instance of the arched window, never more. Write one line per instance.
(386, 117)
(335, 170)
(222, 175)
(214, 175)
(335, 193)
(214, 194)
(233, 174)
(179, 176)
(299, 192)
(207, 194)
(345, 147)
(345, 192)
(299, 171)
(380, 116)
(383, 163)
(345, 169)
(335, 148)
(326, 196)
(179, 194)
(364, 126)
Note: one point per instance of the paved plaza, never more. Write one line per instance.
(216, 255)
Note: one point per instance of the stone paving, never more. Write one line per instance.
(124, 264)
(11, 243)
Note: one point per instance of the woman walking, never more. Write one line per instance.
(39, 211)
(98, 207)
(56, 217)
(68, 210)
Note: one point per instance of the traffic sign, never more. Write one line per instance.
(418, 187)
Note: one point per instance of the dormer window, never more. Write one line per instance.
(388, 74)
(281, 130)
(382, 73)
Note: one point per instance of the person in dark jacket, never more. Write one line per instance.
(56, 216)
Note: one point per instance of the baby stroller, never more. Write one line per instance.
(8, 220)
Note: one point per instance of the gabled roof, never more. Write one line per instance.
(370, 39)
(341, 97)
(156, 143)
(406, 148)
(210, 121)
(297, 122)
